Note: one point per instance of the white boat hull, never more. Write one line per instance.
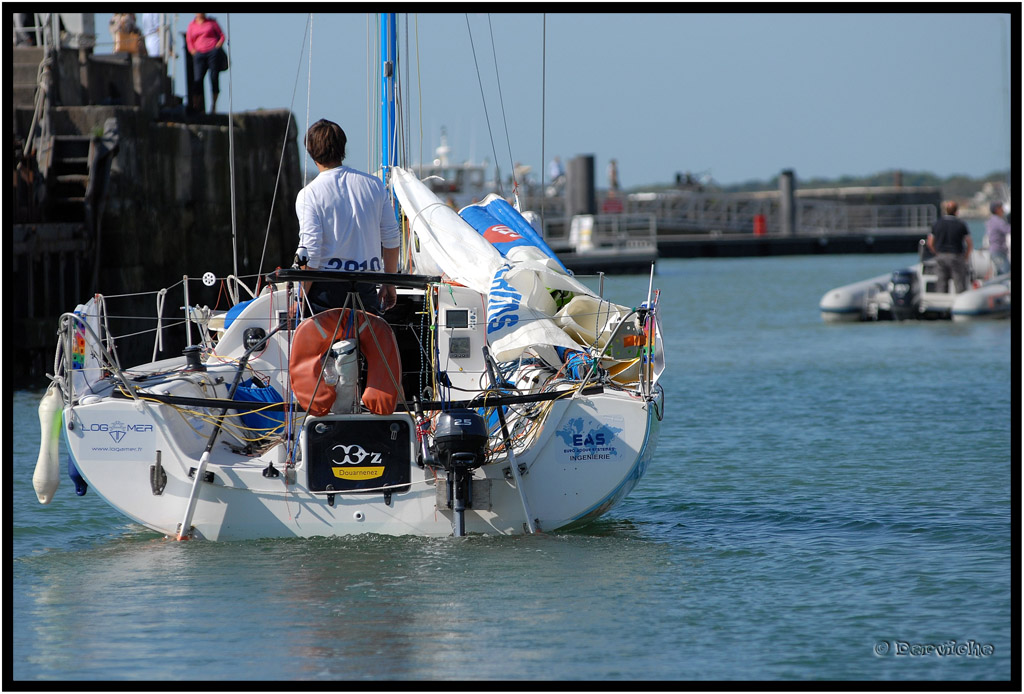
(564, 483)
(247, 434)
(849, 302)
(992, 300)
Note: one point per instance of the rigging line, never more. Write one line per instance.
(403, 106)
(374, 49)
(504, 120)
(487, 117)
(284, 143)
(399, 122)
(376, 154)
(309, 92)
(400, 150)
(543, 105)
(419, 89)
(405, 258)
(231, 165)
(369, 96)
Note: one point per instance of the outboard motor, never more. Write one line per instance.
(460, 446)
(904, 288)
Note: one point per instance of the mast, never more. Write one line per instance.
(389, 129)
(388, 72)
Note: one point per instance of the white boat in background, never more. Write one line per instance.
(456, 183)
(500, 395)
(912, 293)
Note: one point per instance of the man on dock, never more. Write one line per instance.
(950, 241)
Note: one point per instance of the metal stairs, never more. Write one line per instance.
(25, 61)
(67, 176)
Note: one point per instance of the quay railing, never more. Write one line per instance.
(692, 212)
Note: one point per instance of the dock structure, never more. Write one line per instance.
(117, 185)
(692, 223)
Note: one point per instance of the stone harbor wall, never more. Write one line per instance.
(166, 212)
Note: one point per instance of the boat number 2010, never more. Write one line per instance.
(352, 265)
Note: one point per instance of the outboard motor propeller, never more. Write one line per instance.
(904, 288)
(460, 446)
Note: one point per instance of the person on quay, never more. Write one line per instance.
(950, 241)
(346, 223)
(613, 175)
(151, 33)
(204, 40)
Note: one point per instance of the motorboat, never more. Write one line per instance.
(913, 293)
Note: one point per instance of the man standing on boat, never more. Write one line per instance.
(997, 231)
(948, 240)
(346, 222)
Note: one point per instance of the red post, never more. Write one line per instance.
(759, 225)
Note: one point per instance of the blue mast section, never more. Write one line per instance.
(388, 68)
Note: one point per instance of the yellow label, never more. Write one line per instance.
(358, 473)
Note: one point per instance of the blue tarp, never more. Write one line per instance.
(259, 420)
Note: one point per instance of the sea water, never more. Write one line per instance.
(828, 502)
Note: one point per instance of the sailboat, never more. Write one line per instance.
(500, 396)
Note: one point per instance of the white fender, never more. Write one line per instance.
(47, 474)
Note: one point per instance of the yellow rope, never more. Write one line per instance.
(204, 416)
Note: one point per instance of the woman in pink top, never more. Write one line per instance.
(203, 40)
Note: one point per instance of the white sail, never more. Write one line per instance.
(445, 241)
(520, 310)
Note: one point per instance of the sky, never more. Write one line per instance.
(733, 96)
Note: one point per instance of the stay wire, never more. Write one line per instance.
(284, 144)
(309, 92)
(405, 125)
(404, 107)
(487, 117)
(374, 145)
(419, 89)
(231, 165)
(504, 119)
(543, 106)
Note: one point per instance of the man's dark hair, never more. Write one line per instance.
(325, 142)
